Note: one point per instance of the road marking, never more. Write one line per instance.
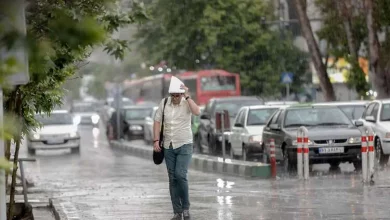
(70, 210)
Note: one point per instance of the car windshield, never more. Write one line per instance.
(233, 106)
(55, 119)
(83, 108)
(137, 114)
(353, 112)
(315, 117)
(385, 113)
(259, 116)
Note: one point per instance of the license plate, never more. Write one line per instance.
(331, 150)
(55, 141)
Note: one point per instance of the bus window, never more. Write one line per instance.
(218, 83)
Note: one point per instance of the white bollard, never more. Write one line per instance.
(364, 158)
(305, 156)
(299, 154)
(371, 154)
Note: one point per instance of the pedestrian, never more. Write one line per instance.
(177, 143)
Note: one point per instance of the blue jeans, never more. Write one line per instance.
(177, 161)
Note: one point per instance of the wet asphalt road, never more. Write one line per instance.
(102, 183)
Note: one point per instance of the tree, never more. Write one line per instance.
(316, 56)
(60, 35)
(378, 18)
(362, 23)
(345, 39)
(223, 34)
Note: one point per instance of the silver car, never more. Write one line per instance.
(377, 116)
(333, 138)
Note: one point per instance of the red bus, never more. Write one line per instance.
(203, 85)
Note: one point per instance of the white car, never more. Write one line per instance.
(85, 114)
(58, 131)
(148, 126)
(246, 134)
(377, 116)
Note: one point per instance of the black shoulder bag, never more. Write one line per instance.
(158, 157)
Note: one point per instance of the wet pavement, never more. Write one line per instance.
(102, 183)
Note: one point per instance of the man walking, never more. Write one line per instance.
(178, 143)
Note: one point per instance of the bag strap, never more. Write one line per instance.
(162, 121)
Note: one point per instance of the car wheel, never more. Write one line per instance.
(212, 147)
(381, 158)
(75, 150)
(287, 163)
(334, 164)
(198, 145)
(357, 165)
(31, 151)
(231, 152)
(244, 153)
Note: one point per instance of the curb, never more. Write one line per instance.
(205, 163)
(57, 211)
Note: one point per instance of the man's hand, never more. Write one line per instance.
(186, 93)
(156, 146)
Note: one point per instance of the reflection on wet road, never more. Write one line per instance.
(102, 183)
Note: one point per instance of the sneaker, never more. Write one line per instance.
(177, 216)
(186, 215)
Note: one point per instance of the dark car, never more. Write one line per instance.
(135, 118)
(208, 136)
(333, 138)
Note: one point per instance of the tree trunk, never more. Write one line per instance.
(13, 183)
(17, 138)
(316, 57)
(8, 156)
(378, 75)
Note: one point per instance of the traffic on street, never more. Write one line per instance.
(101, 182)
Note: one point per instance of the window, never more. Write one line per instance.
(55, 119)
(259, 116)
(274, 118)
(385, 112)
(375, 111)
(369, 110)
(315, 117)
(238, 118)
(242, 118)
(218, 83)
(353, 112)
(137, 114)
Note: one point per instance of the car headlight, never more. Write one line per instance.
(255, 139)
(354, 140)
(73, 134)
(135, 128)
(36, 136)
(296, 143)
(76, 120)
(95, 119)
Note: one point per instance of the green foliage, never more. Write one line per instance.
(333, 32)
(223, 34)
(60, 34)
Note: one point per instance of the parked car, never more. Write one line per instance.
(58, 131)
(208, 136)
(148, 126)
(333, 138)
(85, 113)
(377, 116)
(353, 109)
(135, 118)
(247, 130)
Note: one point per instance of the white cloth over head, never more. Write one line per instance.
(174, 86)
